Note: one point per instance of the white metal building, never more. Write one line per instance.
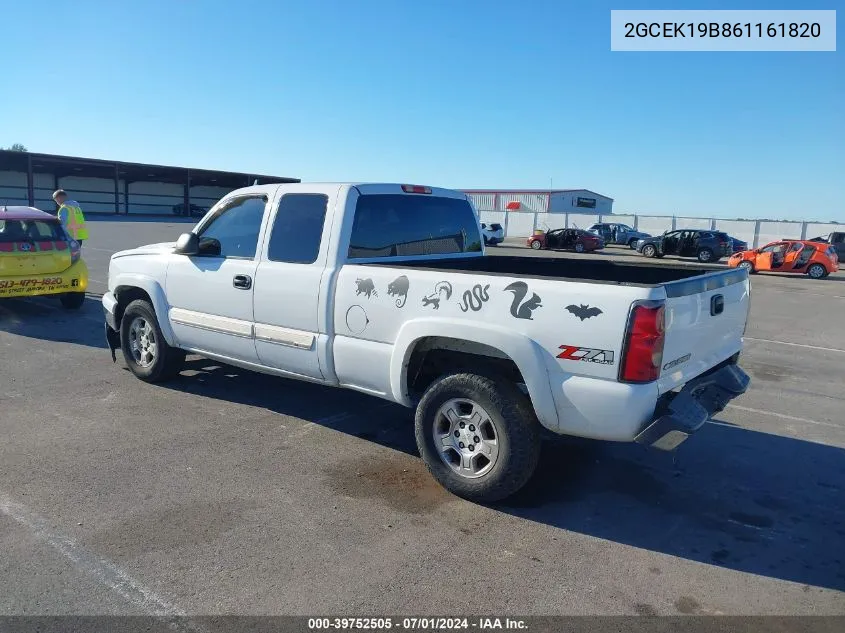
(541, 201)
(103, 186)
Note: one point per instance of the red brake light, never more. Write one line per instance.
(642, 354)
(415, 189)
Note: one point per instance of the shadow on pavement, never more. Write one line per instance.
(731, 497)
(43, 318)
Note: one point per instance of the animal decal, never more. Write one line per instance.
(442, 290)
(582, 311)
(399, 288)
(366, 287)
(520, 307)
(474, 299)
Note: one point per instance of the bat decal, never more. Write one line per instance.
(582, 311)
(399, 287)
(365, 287)
(474, 299)
(442, 289)
(522, 309)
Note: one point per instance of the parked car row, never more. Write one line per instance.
(810, 257)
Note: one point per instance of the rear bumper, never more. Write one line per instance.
(74, 279)
(688, 410)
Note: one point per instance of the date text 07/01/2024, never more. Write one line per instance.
(656, 30)
(415, 623)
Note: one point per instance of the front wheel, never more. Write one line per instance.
(632, 244)
(72, 300)
(817, 271)
(705, 255)
(478, 436)
(145, 351)
(747, 266)
(536, 245)
(649, 250)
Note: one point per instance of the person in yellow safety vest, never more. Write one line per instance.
(70, 215)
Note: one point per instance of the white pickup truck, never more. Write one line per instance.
(386, 289)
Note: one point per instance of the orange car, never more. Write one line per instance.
(816, 259)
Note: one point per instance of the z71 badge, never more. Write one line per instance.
(586, 354)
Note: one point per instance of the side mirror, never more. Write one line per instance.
(187, 244)
(210, 247)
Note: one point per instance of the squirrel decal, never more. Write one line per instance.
(522, 309)
(474, 299)
(440, 288)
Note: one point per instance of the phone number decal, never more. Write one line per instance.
(30, 283)
(723, 30)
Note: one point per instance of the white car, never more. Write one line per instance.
(493, 234)
(386, 289)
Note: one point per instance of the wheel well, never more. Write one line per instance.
(435, 355)
(126, 295)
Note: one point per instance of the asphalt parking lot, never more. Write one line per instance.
(232, 492)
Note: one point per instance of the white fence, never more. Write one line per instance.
(755, 232)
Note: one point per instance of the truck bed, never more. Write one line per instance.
(590, 270)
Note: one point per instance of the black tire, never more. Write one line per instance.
(649, 250)
(747, 265)
(817, 271)
(579, 247)
(705, 256)
(517, 434)
(166, 362)
(72, 300)
(536, 245)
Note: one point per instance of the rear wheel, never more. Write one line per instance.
(72, 300)
(536, 245)
(649, 250)
(478, 436)
(817, 271)
(705, 255)
(579, 247)
(145, 351)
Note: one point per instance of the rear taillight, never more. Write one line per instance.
(642, 353)
(415, 189)
(75, 251)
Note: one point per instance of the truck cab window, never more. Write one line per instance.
(397, 225)
(237, 227)
(298, 228)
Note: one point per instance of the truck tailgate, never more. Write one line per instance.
(705, 321)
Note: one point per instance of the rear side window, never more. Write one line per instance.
(830, 251)
(30, 230)
(298, 228)
(397, 225)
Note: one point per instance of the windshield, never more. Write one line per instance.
(31, 231)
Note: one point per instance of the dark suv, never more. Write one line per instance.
(706, 246)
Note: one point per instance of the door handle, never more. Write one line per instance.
(243, 282)
(717, 304)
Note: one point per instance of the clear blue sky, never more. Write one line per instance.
(468, 93)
